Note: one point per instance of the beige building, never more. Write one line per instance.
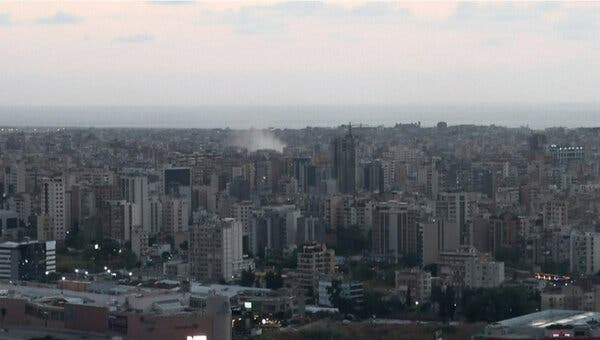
(571, 297)
(437, 236)
(314, 260)
(466, 267)
(415, 282)
(54, 206)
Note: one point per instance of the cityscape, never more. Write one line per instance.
(297, 170)
(313, 230)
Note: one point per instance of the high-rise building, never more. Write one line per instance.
(117, 219)
(305, 173)
(264, 178)
(27, 260)
(178, 182)
(14, 178)
(242, 211)
(216, 249)
(455, 207)
(555, 214)
(9, 221)
(156, 211)
(436, 236)
(536, 146)
(139, 242)
(134, 189)
(584, 252)
(395, 231)
(53, 206)
(344, 162)
(274, 229)
(373, 179)
(428, 177)
(176, 216)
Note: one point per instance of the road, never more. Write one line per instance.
(21, 333)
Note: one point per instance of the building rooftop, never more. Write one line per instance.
(229, 291)
(540, 323)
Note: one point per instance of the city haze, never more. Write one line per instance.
(298, 54)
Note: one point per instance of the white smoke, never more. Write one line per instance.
(254, 139)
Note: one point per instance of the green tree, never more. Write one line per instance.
(351, 240)
(344, 305)
(247, 278)
(183, 245)
(446, 300)
(273, 280)
(493, 304)
(362, 271)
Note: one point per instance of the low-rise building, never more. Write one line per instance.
(352, 291)
(314, 260)
(414, 284)
(466, 267)
(27, 260)
(146, 314)
(548, 324)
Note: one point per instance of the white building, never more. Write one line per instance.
(134, 189)
(216, 249)
(27, 260)
(466, 267)
(352, 291)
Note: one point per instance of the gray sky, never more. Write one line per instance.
(212, 53)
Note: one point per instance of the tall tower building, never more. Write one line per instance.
(178, 182)
(584, 252)
(455, 207)
(14, 178)
(176, 211)
(216, 250)
(117, 219)
(395, 231)
(373, 176)
(344, 162)
(53, 206)
(134, 189)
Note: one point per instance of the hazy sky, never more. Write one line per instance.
(209, 52)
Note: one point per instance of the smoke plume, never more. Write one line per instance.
(254, 139)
